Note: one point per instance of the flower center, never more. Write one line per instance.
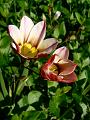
(28, 51)
(54, 68)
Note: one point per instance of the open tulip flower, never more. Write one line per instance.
(59, 68)
(29, 41)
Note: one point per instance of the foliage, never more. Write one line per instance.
(24, 95)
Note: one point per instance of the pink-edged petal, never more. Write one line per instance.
(16, 47)
(62, 52)
(66, 67)
(68, 78)
(48, 50)
(48, 45)
(25, 27)
(37, 33)
(15, 34)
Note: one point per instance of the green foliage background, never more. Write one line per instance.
(24, 95)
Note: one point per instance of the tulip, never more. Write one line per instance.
(28, 40)
(59, 68)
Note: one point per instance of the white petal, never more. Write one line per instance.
(37, 33)
(48, 45)
(25, 27)
(62, 52)
(15, 34)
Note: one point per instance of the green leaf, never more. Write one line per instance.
(22, 83)
(1, 96)
(23, 101)
(52, 84)
(82, 75)
(56, 32)
(79, 18)
(86, 62)
(15, 117)
(33, 115)
(33, 96)
(62, 30)
(2, 83)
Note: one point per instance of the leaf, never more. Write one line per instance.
(2, 83)
(52, 84)
(15, 117)
(82, 75)
(33, 115)
(1, 96)
(84, 109)
(86, 62)
(33, 96)
(23, 101)
(79, 18)
(22, 83)
(56, 32)
(62, 30)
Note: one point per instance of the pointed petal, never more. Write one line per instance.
(25, 27)
(37, 33)
(48, 45)
(62, 52)
(66, 67)
(68, 78)
(15, 34)
(47, 51)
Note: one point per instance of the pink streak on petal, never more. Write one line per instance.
(37, 33)
(48, 45)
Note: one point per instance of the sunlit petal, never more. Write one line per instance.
(25, 27)
(15, 34)
(62, 52)
(37, 33)
(48, 45)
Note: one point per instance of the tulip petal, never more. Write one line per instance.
(68, 78)
(25, 27)
(37, 33)
(62, 52)
(66, 67)
(48, 45)
(15, 34)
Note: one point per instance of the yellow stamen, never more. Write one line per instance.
(28, 51)
(54, 68)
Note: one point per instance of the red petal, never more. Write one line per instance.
(68, 78)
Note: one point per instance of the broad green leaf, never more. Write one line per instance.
(86, 62)
(23, 101)
(52, 84)
(15, 117)
(83, 75)
(79, 18)
(33, 115)
(33, 96)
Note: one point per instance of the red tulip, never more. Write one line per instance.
(59, 68)
(28, 40)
